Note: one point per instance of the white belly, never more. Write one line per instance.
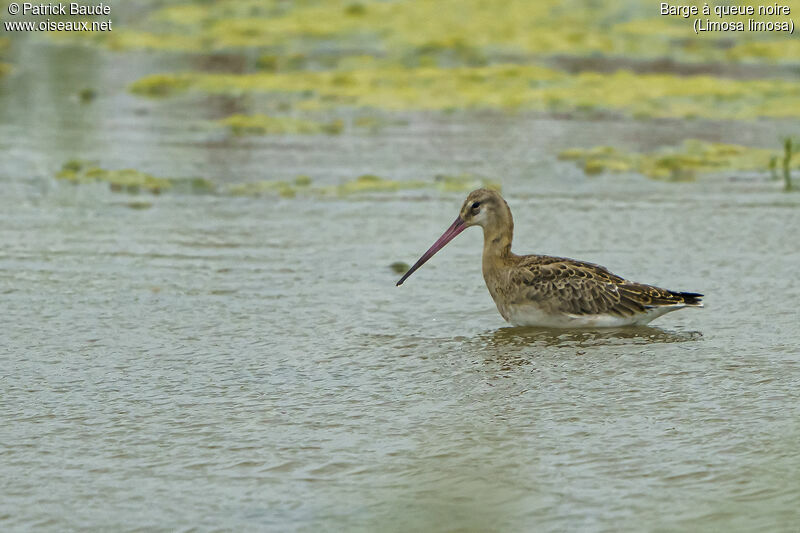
(531, 315)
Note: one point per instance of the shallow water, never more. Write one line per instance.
(248, 363)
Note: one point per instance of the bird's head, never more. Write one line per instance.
(483, 207)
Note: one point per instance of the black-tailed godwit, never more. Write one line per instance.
(539, 290)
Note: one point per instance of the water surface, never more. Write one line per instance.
(248, 363)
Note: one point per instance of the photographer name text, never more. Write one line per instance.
(57, 9)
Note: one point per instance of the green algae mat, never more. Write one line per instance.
(315, 61)
(467, 54)
(686, 162)
(133, 182)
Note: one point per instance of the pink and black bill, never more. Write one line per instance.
(457, 227)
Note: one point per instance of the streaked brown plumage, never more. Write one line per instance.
(539, 290)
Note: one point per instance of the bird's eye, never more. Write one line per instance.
(475, 206)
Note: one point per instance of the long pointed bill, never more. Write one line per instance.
(456, 228)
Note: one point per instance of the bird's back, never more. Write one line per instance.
(540, 290)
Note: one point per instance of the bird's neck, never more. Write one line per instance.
(497, 240)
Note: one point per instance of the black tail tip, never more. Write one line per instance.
(692, 298)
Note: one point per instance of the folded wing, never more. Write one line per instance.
(578, 288)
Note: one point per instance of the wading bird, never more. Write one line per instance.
(556, 292)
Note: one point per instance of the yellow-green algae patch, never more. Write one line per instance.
(289, 61)
(268, 125)
(367, 183)
(599, 159)
(399, 267)
(139, 205)
(387, 88)
(133, 181)
(285, 189)
(302, 180)
(87, 95)
(370, 183)
(506, 87)
(789, 150)
(5, 68)
(785, 50)
(129, 180)
(158, 85)
(373, 124)
(541, 27)
(261, 188)
(226, 25)
(674, 36)
(463, 182)
(675, 164)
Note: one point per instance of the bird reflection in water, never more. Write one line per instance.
(518, 345)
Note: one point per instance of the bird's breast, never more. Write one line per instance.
(499, 289)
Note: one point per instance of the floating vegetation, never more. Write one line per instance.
(5, 68)
(207, 26)
(783, 50)
(599, 159)
(195, 185)
(455, 54)
(421, 28)
(399, 267)
(302, 181)
(662, 96)
(370, 183)
(788, 152)
(505, 87)
(139, 205)
(464, 183)
(355, 9)
(133, 181)
(159, 85)
(268, 125)
(367, 183)
(382, 88)
(685, 163)
(87, 95)
(280, 63)
(283, 189)
(374, 123)
(129, 180)
(445, 54)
